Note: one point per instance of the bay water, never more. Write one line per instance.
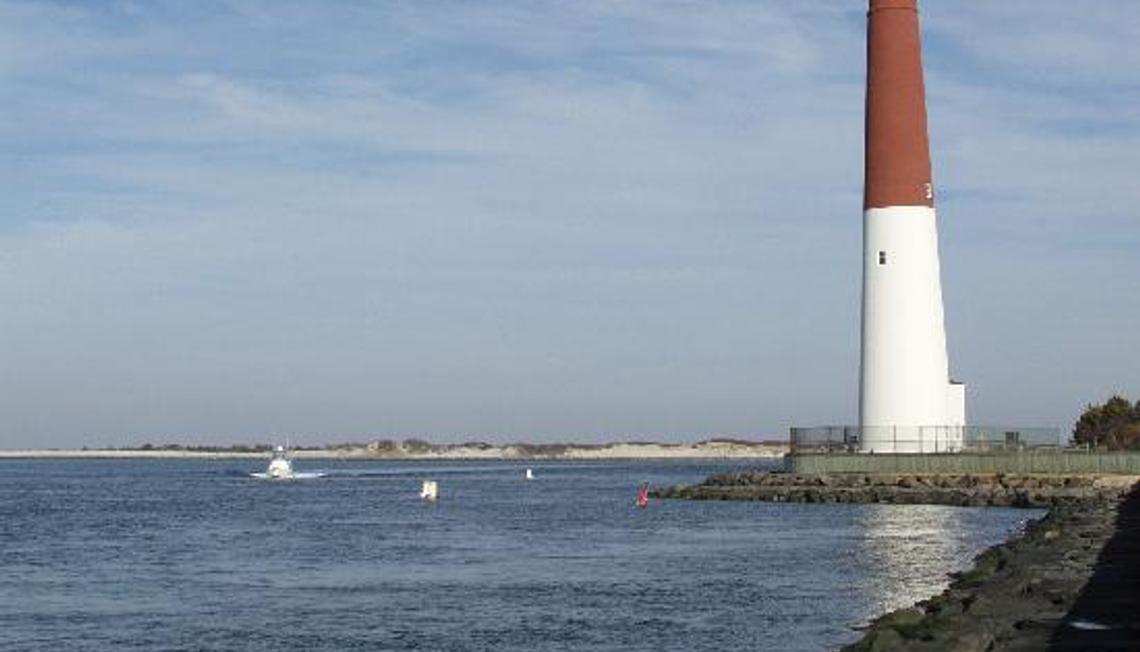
(196, 555)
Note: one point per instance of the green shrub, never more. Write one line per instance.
(1115, 425)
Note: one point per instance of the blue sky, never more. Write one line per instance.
(225, 221)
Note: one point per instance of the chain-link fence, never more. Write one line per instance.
(922, 439)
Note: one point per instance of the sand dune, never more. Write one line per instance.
(713, 449)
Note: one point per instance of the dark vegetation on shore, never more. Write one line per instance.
(420, 446)
(191, 448)
(1114, 425)
(554, 449)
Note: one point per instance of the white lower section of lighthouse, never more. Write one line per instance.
(907, 402)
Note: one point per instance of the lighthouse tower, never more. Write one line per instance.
(907, 402)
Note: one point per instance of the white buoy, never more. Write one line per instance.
(529, 474)
(430, 490)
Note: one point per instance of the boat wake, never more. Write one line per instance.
(295, 475)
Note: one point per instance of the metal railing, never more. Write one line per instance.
(922, 439)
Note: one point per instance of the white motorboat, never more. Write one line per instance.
(429, 491)
(281, 468)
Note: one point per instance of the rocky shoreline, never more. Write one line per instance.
(1071, 581)
(966, 490)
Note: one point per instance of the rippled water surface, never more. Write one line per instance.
(149, 554)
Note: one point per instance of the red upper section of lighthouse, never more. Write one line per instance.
(897, 147)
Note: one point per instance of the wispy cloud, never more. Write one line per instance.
(529, 219)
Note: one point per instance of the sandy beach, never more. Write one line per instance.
(616, 451)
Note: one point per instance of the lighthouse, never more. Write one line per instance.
(907, 402)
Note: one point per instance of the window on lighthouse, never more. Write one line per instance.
(882, 258)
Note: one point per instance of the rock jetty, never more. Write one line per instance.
(1002, 490)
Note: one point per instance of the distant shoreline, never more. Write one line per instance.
(714, 449)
